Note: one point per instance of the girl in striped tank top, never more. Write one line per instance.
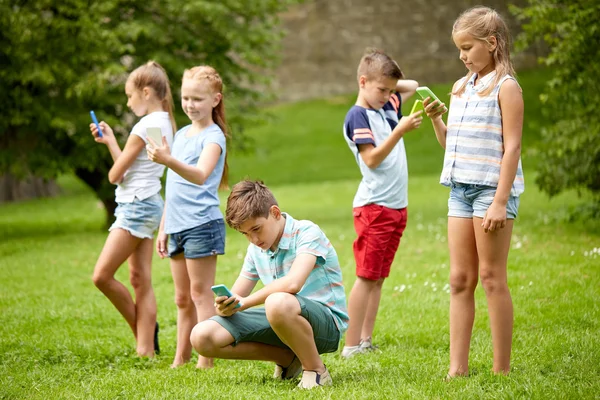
(482, 166)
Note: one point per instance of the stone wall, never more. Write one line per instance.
(326, 39)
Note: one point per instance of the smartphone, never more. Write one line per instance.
(95, 120)
(221, 290)
(155, 134)
(418, 106)
(425, 92)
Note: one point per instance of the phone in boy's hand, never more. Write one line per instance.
(95, 121)
(425, 92)
(222, 290)
(155, 134)
(418, 106)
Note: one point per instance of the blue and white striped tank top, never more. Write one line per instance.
(474, 143)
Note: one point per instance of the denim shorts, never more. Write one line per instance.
(468, 201)
(251, 325)
(201, 241)
(140, 217)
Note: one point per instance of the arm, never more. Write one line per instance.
(406, 88)
(374, 156)
(511, 104)
(124, 159)
(198, 173)
(161, 237)
(434, 112)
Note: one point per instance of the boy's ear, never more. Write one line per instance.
(362, 80)
(275, 212)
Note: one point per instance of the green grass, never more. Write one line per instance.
(60, 338)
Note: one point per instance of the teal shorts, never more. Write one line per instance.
(251, 325)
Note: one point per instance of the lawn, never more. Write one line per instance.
(60, 338)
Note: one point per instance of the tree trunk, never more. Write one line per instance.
(98, 181)
(32, 187)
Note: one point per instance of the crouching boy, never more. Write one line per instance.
(304, 311)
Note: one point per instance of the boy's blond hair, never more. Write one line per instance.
(375, 64)
(247, 200)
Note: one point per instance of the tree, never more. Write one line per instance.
(58, 60)
(570, 153)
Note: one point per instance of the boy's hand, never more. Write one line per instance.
(434, 109)
(161, 244)
(225, 306)
(158, 154)
(410, 122)
(108, 135)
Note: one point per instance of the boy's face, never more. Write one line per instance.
(376, 92)
(264, 232)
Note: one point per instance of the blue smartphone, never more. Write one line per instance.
(95, 120)
(222, 290)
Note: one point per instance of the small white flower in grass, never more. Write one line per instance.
(585, 253)
(447, 290)
(414, 275)
(530, 283)
(518, 245)
(240, 255)
(407, 275)
(426, 283)
(434, 275)
(433, 284)
(402, 288)
(522, 287)
(572, 253)
(395, 288)
(435, 289)
(410, 286)
(342, 237)
(443, 266)
(419, 227)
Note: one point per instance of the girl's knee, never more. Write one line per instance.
(492, 281)
(183, 300)
(139, 280)
(461, 282)
(101, 280)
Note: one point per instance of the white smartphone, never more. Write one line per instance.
(155, 134)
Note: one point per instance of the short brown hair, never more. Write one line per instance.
(248, 199)
(375, 64)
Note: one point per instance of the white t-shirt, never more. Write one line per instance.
(142, 179)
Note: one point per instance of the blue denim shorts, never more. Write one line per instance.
(251, 325)
(201, 241)
(140, 217)
(468, 201)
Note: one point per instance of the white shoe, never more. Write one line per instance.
(312, 379)
(350, 351)
(367, 345)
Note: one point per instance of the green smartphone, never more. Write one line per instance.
(418, 106)
(425, 92)
(222, 290)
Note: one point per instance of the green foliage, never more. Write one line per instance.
(58, 60)
(570, 153)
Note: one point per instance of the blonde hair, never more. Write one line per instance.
(209, 74)
(376, 64)
(153, 75)
(481, 23)
(247, 200)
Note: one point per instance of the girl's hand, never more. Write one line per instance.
(410, 122)
(434, 109)
(494, 218)
(158, 154)
(161, 244)
(108, 135)
(225, 306)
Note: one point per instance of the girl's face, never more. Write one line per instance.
(476, 54)
(198, 99)
(136, 100)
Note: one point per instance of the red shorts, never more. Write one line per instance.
(379, 230)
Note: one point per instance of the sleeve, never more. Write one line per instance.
(139, 129)
(396, 102)
(216, 136)
(357, 127)
(312, 240)
(249, 268)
